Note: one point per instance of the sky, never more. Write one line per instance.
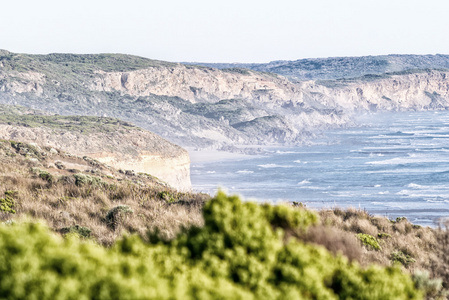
(226, 31)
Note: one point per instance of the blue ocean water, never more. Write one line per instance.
(396, 164)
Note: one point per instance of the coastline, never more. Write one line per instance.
(210, 155)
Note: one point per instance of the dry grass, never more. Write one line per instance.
(393, 235)
(414, 248)
(62, 203)
(417, 250)
(440, 265)
(336, 241)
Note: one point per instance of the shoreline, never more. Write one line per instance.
(208, 156)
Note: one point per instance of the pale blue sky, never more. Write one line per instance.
(226, 31)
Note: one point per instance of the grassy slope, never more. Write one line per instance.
(102, 133)
(69, 191)
(77, 62)
(344, 67)
(21, 116)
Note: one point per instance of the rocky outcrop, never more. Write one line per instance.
(23, 82)
(196, 84)
(417, 90)
(422, 90)
(124, 148)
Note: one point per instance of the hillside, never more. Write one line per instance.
(74, 193)
(342, 67)
(111, 141)
(164, 97)
(201, 107)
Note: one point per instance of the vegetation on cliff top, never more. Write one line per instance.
(82, 124)
(343, 67)
(83, 134)
(77, 62)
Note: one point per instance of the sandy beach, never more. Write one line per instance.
(202, 156)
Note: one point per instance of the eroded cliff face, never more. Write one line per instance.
(196, 84)
(128, 149)
(175, 169)
(24, 82)
(417, 91)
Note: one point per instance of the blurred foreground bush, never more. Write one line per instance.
(242, 252)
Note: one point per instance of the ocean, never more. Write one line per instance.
(391, 164)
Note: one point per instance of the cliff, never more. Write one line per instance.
(116, 143)
(166, 98)
(418, 90)
(201, 107)
(195, 84)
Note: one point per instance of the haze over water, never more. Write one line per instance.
(396, 165)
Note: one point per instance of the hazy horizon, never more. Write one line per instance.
(226, 31)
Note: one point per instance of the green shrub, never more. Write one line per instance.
(382, 235)
(83, 179)
(402, 258)
(60, 165)
(40, 265)
(7, 204)
(79, 230)
(26, 149)
(284, 217)
(236, 70)
(46, 176)
(369, 241)
(244, 243)
(11, 193)
(399, 220)
(166, 196)
(116, 215)
(240, 253)
(299, 204)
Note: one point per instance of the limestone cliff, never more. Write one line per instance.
(423, 90)
(166, 98)
(110, 141)
(196, 84)
(208, 108)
